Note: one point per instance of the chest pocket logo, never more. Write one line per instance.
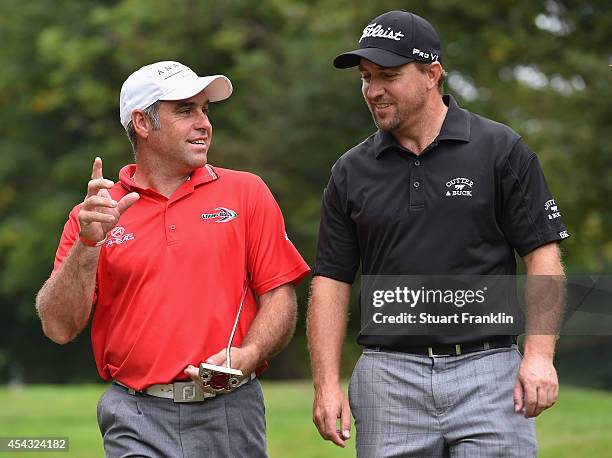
(222, 215)
(459, 187)
(118, 236)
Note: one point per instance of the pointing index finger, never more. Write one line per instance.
(96, 171)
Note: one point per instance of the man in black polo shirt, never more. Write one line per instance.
(437, 190)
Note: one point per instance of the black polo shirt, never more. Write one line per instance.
(464, 205)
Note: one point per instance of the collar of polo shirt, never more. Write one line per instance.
(456, 126)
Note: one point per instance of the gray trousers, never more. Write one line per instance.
(415, 406)
(226, 426)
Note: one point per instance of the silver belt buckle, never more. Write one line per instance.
(431, 354)
(187, 392)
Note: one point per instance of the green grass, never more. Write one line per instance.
(579, 425)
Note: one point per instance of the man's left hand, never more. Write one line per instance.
(537, 386)
(246, 359)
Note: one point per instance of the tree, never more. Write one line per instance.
(540, 67)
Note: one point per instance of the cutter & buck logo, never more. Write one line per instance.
(459, 187)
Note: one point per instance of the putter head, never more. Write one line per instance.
(219, 379)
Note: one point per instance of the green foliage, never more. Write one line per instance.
(539, 66)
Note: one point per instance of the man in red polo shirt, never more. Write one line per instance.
(162, 260)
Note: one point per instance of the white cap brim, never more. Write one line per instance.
(217, 88)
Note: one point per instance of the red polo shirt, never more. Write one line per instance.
(171, 273)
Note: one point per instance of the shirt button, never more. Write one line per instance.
(416, 184)
(172, 227)
(417, 163)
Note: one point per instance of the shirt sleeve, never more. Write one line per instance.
(337, 244)
(530, 216)
(67, 240)
(272, 260)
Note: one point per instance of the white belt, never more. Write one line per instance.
(187, 391)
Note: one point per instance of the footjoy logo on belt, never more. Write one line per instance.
(457, 187)
(118, 236)
(223, 214)
(189, 392)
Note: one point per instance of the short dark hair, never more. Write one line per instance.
(424, 66)
(152, 111)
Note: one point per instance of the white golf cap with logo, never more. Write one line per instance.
(167, 80)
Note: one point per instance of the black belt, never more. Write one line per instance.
(454, 350)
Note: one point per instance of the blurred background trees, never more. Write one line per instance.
(539, 66)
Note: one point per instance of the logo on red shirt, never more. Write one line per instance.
(118, 236)
(223, 214)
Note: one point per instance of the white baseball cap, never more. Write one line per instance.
(167, 80)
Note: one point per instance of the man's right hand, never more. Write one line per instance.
(99, 213)
(330, 403)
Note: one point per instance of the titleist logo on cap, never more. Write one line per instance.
(376, 30)
(393, 39)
